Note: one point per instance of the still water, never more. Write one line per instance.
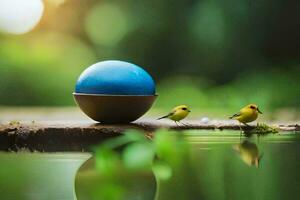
(224, 166)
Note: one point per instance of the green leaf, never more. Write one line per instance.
(107, 161)
(135, 135)
(162, 170)
(138, 156)
(170, 147)
(128, 137)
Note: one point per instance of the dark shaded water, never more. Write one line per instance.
(224, 166)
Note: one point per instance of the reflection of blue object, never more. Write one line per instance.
(115, 78)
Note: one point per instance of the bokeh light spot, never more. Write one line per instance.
(20, 16)
(106, 24)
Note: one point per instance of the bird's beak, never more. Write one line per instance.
(259, 111)
(189, 111)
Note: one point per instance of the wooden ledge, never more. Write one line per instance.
(54, 136)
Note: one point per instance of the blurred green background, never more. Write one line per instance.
(211, 54)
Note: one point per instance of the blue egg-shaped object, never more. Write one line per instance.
(115, 77)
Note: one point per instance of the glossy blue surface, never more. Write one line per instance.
(114, 77)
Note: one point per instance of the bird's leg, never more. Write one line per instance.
(241, 131)
(240, 126)
(247, 125)
(258, 136)
(176, 123)
(185, 124)
(240, 137)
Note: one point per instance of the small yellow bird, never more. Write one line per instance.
(178, 113)
(247, 114)
(249, 153)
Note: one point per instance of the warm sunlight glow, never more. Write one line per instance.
(20, 16)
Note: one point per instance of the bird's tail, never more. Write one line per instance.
(162, 117)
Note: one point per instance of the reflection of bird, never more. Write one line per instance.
(248, 152)
(178, 113)
(247, 114)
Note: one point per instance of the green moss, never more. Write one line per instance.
(262, 129)
(14, 123)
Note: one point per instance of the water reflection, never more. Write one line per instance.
(213, 171)
(39, 176)
(248, 152)
(90, 184)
